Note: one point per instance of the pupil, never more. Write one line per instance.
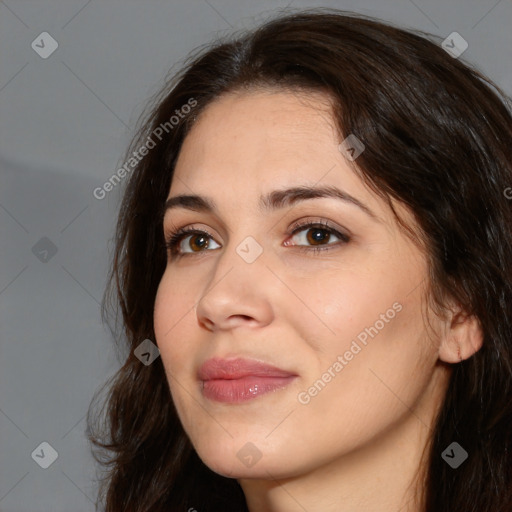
(319, 237)
(202, 241)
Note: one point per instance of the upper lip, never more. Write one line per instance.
(237, 368)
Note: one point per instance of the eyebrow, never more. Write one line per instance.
(272, 201)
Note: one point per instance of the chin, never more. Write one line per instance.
(242, 459)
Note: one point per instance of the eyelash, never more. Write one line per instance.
(175, 238)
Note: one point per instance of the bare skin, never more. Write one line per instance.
(356, 443)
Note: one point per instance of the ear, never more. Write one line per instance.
(463, 337)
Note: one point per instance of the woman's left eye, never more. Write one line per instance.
(317, 234)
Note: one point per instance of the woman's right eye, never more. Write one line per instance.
(175, 242)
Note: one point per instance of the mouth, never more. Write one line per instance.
(240, 380)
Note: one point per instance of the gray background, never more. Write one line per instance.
(65, 122)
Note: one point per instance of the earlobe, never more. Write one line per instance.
(462, 339)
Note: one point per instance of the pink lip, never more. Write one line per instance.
(239, 380)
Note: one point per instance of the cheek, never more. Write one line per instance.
(373, 296)
(174, 338)
(374, 323)
(340, 306)
(381, 352)
(172, 316)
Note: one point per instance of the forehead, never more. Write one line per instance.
(259, 136)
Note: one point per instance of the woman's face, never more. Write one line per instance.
(343, 322)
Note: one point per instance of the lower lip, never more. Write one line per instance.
(243, 389)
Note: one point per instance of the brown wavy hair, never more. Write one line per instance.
(438, 137)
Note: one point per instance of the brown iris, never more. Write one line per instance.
(317, 239)
(202, 244)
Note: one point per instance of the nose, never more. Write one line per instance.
(237, 294)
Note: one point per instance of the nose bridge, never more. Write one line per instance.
(244, 248)
(236, 287)
(241, 263)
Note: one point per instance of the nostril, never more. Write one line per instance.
(206, 323)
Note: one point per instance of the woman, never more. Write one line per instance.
(317, 239)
